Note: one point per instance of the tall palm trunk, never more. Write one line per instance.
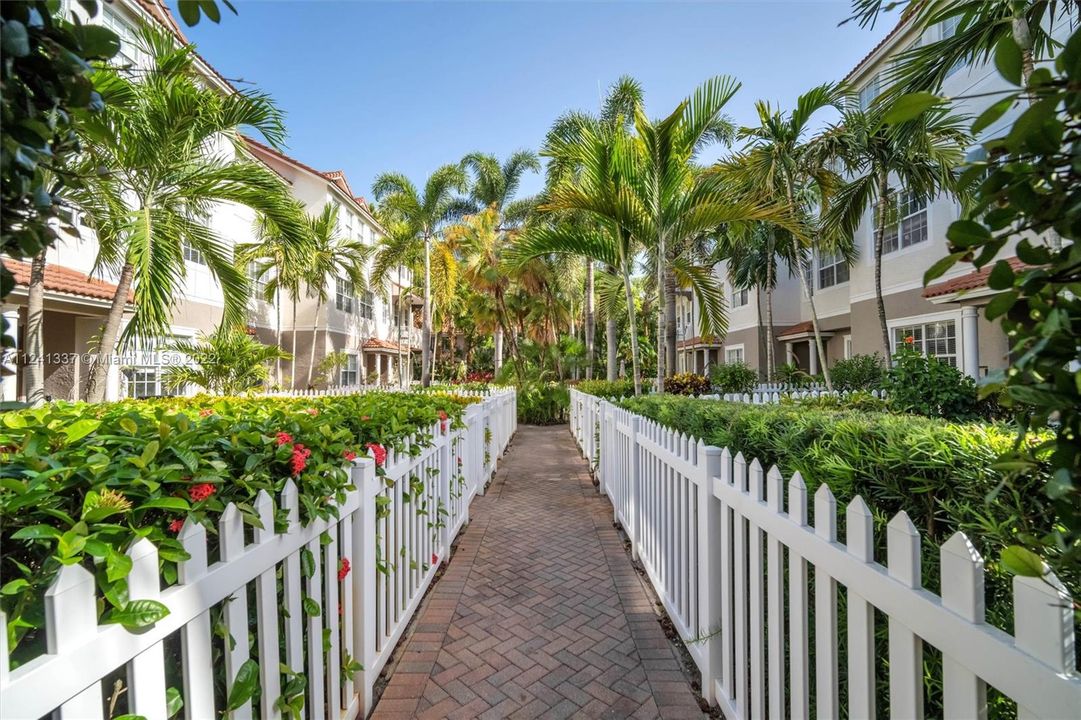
(278, 335)
(497, 351)
(880, 234)
(591, 320)
(35, 345)
(504, 321)
(633, 325)
(804, 271)
(110, 331)
(670, 322)
(662, 318)
(293, 351)
(426, 317)
(771, 360)
(315, 334)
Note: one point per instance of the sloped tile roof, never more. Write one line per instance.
(377, 344)
(970, 281)
(64, 280)
(798, 329)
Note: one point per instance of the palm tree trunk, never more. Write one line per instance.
(670, 322)
(95, 384)
(293, 375)
(315, 334)
(35, 317)
(426, 318)
(278, 335)
(497, 350)
(819, 347)
(662, 318)
(880, 233)
(771, 360)
(633, 325)
(591, 319)
(504, 321)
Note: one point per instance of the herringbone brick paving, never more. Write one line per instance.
(539, 613)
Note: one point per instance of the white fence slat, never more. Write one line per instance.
(905, 648)
(756, 624)
(146, 671)
(798, 630)
(859, 541)
(333, 653)
(739, 566)
(195, 637)
(292, 582)
(71, 619)
(727, 563)
(1044, 626)
(709, 570)
(231, 534)
(775, 600)
(963, 694)
(826, 687)
(314, 628)
(266, 600)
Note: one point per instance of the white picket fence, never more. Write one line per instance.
(775, 397)
(394, 531)
(730, 556)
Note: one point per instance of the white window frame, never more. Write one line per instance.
(191, 254)
(836, 266)
(848, 347)
(365, 305)
(144, 366)
(344, 295)
(738, 294)
(349, 373)
(728, 349)
(258, 280)
(922, 322)
(906, 221)
(870, 90)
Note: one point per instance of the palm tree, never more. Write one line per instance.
(425, 214)
(227, 361)
(494, 186)
(161, 183)
(330, 255)
(921, 154)
(777, 163)
(977, 30)
(397, 250)
(278, 257)
(617, 111)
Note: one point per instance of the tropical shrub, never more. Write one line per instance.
(859, 400)
(733, 378)
(79, 483)
(611, 389)
(228, 361)
(859, 372)
(686, 384)
(543, 403)
(925, 385)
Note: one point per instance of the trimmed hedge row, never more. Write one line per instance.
(79, 483)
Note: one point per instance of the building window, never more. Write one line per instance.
(832, 270)
(869, 92)
(258, 279)
(911, 227)
(144, 370)
(367, 305)
(738, 297)
(350, 371)
(191, 254)
(343, 295)
(733, 354)
(129, 50)
(848, 347)
(949, 29)
(936, 339)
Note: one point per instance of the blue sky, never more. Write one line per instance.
(408, 86)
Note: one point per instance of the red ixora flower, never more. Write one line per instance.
(378, 452)
(910, 340)
(206, 412)
(443, 420)
(176, 526)
(300, 457)
(365, 417)
(435, 559)
(284, 437)
(459, 462)
(349, 455)
(343, 568)
(312, 411)
(201, 491)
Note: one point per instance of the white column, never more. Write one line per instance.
(379, 369)
(970, 341)
(9, 380)
(789, 354)
(813, 354)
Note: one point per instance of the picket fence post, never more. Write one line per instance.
(709, 570)
(364, 579)
(634, 502)
(444, 478)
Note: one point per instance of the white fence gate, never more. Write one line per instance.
(731, 557)
(393, 532)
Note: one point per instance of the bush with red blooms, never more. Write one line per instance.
(80, 483)
(378, 452)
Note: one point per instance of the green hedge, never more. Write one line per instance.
(612, 389)
(79, 483)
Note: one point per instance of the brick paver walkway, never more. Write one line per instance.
(540, 613)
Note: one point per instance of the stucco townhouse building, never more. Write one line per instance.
(944, 319)
(375, 329)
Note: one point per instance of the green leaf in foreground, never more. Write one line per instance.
(1020, 561)
(138, 614)
(244, 685)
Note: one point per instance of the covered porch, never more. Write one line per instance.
(697, 354)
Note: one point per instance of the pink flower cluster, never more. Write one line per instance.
(299, 461)
(349, 455)
(443, 420)
(283, 438)
(343, 568)
(201, 492)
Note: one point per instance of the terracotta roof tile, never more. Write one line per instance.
(969, 281)
(377, 344)
(64, 280)
(799, 328)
